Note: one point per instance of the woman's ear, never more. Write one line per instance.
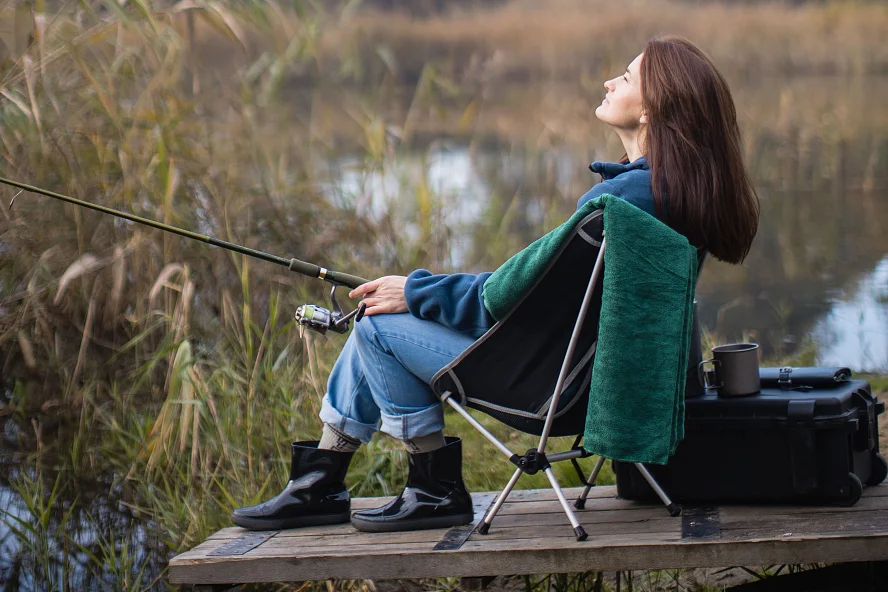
(644, 118)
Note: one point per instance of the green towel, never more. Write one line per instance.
(505, 288)
(636, 399)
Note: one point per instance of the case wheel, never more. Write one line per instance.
(856, 490)
(878, 470)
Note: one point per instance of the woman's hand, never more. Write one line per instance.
(383, 295)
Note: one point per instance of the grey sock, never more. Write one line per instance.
(333, 439)
(427, 443)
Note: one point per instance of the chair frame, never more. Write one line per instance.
(536, 459)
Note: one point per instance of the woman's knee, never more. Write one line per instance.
(365, 330)
(368, 329)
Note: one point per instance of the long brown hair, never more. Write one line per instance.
(693, 149)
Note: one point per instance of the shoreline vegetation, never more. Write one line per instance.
(151, 383)
(522, 41)
(527, 41)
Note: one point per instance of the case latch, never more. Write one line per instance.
(783, 379)
(803, 452)
(867, 433)
(801, 412)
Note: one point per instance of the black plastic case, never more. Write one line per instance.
(801, 446)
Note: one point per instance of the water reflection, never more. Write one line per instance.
(857, 322)
(81, 534)
(10, 546)
(444, 170)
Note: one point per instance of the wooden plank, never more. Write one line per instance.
(423, 540)
(605, 492)
(821, 525)
(554, 516)
(622, 535)
(637, 520)
(414, 544)
(286, 548)
(517, 557)
(511, 526)
(511, 507)
(591, 515)
(866, 504)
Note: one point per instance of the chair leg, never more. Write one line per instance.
(500, 500)
(581, 501)
(673, 508)
(578, 529)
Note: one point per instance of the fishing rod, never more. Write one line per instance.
(311, 316)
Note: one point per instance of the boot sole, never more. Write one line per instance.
(417, 524)
(266, 524)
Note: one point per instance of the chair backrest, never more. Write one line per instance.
(511, 371)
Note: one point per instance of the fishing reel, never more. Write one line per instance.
(319, 319)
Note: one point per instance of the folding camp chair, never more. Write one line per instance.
(510, 373)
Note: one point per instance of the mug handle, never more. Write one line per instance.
(704, 376)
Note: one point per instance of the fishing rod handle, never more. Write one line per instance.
(334, 277)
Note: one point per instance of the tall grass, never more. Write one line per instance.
(155, 383)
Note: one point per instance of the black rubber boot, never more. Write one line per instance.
(315, 494)
(434, 497)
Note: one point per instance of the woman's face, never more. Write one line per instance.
(621, 107)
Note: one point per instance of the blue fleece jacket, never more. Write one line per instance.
(455, 299)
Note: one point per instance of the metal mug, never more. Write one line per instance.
(735, 370)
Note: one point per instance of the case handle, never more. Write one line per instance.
(705, 375)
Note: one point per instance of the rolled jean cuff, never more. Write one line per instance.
(350, 427)
(414, 425)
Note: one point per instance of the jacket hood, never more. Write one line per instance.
(609, 170)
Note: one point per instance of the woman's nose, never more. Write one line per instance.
(609, 84)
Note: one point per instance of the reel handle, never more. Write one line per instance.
(358, 313)
(321, 320)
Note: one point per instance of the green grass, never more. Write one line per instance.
(879, 383)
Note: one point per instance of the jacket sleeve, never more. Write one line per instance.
(454, 300)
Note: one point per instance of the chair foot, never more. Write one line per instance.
(483, 528)
(674, 509)
(581, 534)
(580, 504)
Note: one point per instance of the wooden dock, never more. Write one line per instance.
(531, 535)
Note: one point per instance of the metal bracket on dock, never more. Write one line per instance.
(700, 523)
(243, 543)
(458, 535)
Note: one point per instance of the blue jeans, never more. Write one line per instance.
(383, 373)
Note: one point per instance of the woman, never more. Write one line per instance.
(675, 116)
